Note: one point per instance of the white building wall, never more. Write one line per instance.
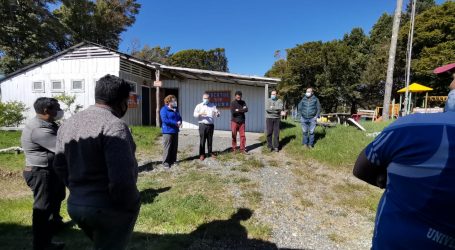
(190, 94)
(19, 87)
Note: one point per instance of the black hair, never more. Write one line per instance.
(111, 90)
(238, 92)
(43, 103)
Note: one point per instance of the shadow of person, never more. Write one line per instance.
(227, 234)
(148, 195)
(286, 140)
(319, 134)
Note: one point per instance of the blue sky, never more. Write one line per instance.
(250, 30)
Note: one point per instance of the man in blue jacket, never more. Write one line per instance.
(309, 109)
(171, 122)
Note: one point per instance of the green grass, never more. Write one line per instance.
(146, 138)
(338, 146)
(10, 139)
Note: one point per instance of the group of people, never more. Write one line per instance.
(206, 112)
(93, 155)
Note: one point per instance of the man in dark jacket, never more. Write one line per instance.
(238, 110)
(309, 109)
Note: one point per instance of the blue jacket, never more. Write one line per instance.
(169, 119)
(309, 107)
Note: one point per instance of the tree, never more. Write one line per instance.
(100, 21)
(31, 32)
(214, 59)
(27, 31)
(156, 54)
(70, 103)
(12, 113)
(421, 6)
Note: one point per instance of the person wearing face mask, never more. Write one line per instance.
(273, 109)
(309, 109)
(238, 110)
(171, 122)
(95, 159)
(205, 112)
(450, 69)
(38, 141)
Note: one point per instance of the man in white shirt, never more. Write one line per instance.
(205, 112)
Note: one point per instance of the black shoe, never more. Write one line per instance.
(54, 245)
(276, 150)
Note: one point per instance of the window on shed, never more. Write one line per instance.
(57, 86)
(38, 86)
(77, 85)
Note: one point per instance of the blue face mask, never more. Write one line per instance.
(174, 104)
(205, 101)
(273, 97)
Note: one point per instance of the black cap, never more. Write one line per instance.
(238, 92)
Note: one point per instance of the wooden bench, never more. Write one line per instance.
(369, 114)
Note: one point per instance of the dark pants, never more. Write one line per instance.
(109, 229)
(205, 134)
(170, 146)
(273, 132)
(238, 127)
(48, 194)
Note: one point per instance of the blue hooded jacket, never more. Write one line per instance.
(169, 119)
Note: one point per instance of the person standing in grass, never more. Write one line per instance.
(273, 109)
(171, 122)
(309, 109)
(413, 160)
(238, 110)
(95, 158)
(38, 141)
(205, 112)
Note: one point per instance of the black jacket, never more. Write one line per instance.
(238, 110)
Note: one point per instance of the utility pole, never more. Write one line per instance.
(409, 57)
(391, 63)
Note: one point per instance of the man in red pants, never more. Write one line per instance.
(238, 110)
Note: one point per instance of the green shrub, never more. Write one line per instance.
(12, 113)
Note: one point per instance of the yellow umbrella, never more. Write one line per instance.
(415, 88)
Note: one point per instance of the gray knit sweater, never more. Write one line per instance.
(95, 158)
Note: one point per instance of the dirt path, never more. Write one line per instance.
(306, 204)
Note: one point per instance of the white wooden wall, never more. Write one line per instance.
(19, 88)
(190, 94)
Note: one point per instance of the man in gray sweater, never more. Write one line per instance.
(38, 141)
(95, 158)
(273, 109)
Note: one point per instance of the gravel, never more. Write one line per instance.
(317, 226)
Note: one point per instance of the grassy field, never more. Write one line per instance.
(176, 209)
(337, 147)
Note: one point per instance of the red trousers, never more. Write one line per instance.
(240, 127)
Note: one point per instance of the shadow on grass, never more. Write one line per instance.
(286, 125)
(149, 195)
(217, 234)
(286, 140)
(148, 166)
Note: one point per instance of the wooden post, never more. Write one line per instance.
(393, 109)
(157, 114)
(426, 101)
(266, 97)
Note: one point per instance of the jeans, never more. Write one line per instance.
(108, 228)
(205, 134)
(273, 132)
(308, 126)
(240, 127)
(48, 194)
(170, 146)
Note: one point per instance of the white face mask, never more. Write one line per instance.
(174, 104)
(59, 115)
(205, 101)
(308, 94)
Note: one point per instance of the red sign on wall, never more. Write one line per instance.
(132, 101)
(221, 99)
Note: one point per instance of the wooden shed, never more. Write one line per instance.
(76, 70)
